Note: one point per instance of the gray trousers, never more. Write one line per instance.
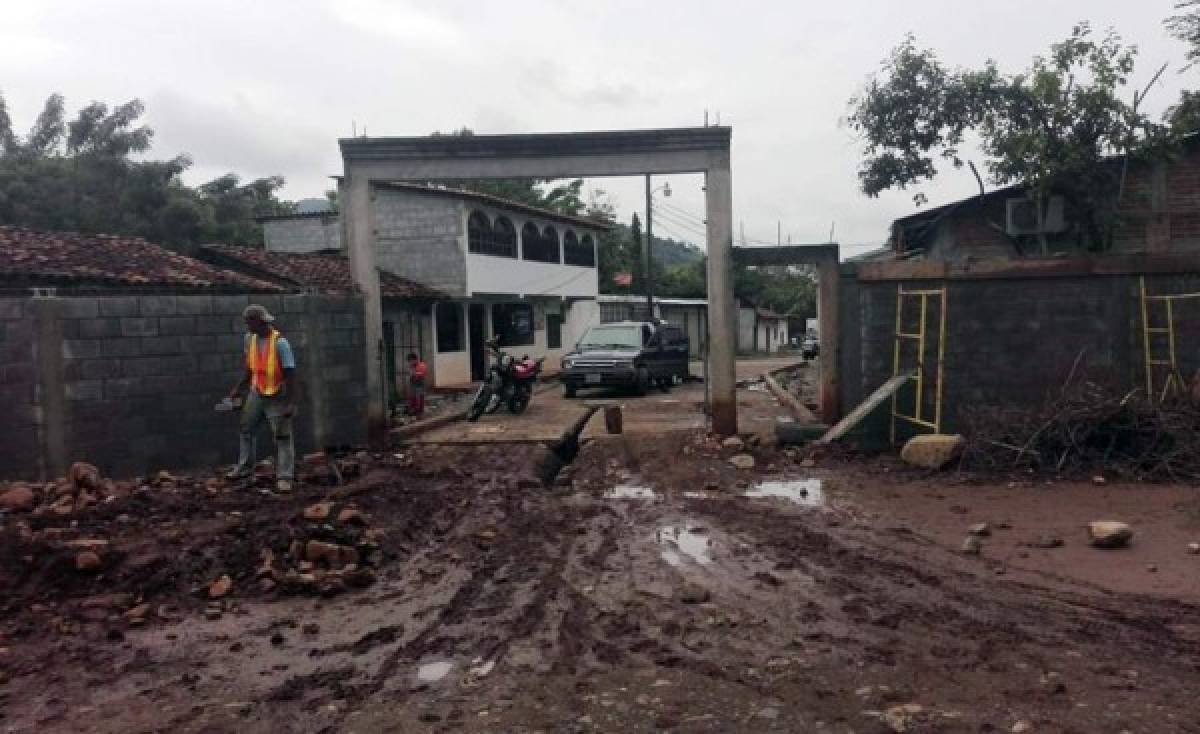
(256, 409)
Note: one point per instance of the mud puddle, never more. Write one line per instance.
(682, 543)
(805, 492)
(630, 492)
(434, 672)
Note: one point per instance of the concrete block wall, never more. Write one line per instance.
(303, 234)
(1011, 342)
(19, 446)
(128, 382)
(422, 237)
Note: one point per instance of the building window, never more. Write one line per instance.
(512, 324)
(554, 322)
(484, 239)
(449, 327)
(539, 246)
(576, 252)
(610, 312)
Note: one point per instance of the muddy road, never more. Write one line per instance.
(634, 591)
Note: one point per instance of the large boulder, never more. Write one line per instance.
(17, 498)
(84, 476)
(933, 451)
(1110, 534)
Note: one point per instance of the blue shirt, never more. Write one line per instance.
(287, 359)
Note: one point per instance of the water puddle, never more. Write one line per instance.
(684, 542)
(806, 492)
(434, 672)
(630, 492)
(481, 668)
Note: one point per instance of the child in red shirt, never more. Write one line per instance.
(417, 370)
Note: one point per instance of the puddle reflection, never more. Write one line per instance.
(805, 492)
(684, 542)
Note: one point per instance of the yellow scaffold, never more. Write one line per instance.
(919, 372)
(1174, 380)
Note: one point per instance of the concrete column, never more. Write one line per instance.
(313, 374)
(828, 277)
(51, 387)
(358, 234)
(722, 353)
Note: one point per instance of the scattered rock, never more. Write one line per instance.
(165, 477)
(220, 588)
(1194, 549)
(808, 463)
(83, 475)
(18, 498)
(904, 718)
(734, 443)
(138, 613)
(319, 512)
(1110, 534)
(1151, 568)
(982, 529)
(972, 545)
(311, 628)
(1046, 541)
(1022, 727)
(267, 585)
(933, 451)
(88, 561)
(212, 613)
(351, 516)
(694, 594)
(770, 712)
(742, 461)
(1099, 480)
(278, 639)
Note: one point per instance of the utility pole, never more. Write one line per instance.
(649, 245)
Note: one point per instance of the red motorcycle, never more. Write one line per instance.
(509, 381)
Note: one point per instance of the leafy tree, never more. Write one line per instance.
(80, 175)
(1186, 27)
(1054, 127)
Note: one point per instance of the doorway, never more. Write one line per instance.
(477, 329)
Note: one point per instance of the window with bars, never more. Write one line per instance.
(484, 238)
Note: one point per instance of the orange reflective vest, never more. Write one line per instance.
(265, 374)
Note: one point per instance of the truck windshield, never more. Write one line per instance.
(612, 337)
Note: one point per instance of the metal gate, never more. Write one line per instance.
(402, 334)
(918, 366)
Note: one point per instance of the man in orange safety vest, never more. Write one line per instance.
(271, 395)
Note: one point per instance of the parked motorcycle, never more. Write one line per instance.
(509, 382)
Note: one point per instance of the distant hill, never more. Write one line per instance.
(669, 252)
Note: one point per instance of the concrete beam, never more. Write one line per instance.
(786, 255)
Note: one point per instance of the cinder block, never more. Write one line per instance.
(218, 324)
(295, 304)
(99, 369)
(78, 308)
(233, 305)
(177, 325)
(121, 347)
(81, 348)
(99, 328)
(193, 305)
(139, 326)
(84, 390)
(199, 344)
(161, 345)
(12, 308)
(157, 305)
(118, 306)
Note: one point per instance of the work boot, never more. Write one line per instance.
(283, 486)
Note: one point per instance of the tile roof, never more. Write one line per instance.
(70, 259)
(327, 271)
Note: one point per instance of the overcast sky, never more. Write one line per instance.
(262, 87)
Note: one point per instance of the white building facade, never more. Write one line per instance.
(523, 275)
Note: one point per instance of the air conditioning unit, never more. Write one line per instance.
(1023, 216)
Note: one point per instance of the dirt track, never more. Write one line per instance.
(558, 609)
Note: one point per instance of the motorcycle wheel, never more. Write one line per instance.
(482, 398)
(494, 404)
(518, 402)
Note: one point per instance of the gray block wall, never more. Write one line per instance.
(421, 237)
(303, 234)
(1011, 342)
(129, 382)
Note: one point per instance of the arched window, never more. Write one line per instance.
(576, 252)
(504, 236)
(482, 240)
(540, 247)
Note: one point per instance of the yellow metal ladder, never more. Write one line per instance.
(1173, 380)
(918, 417)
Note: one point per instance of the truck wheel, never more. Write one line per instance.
(642, 384)
(664, 384)
(568, 391)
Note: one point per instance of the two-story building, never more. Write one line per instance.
(522, 274)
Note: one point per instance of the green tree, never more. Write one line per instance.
(1186, 27)
(1054, 127)
(83, 175)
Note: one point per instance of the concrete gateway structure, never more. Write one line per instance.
(524, 275)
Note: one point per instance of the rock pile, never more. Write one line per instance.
(333, 548)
